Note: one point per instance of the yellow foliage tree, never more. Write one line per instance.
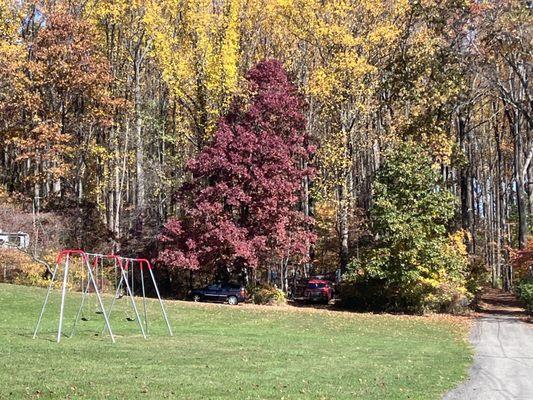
(196, 45)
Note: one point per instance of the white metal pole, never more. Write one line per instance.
(102, 274)
(99, 298)
(144, 299)
(45, 300)
(63, 294)
(101, 269)
(133, 301)
(160, 302)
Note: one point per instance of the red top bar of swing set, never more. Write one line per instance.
(120, 259)
(84, 255)
(140, 261)
(65, 252)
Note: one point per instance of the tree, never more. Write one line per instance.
(197, 48)
(247, 184)
(14, 84)
(452, 75)
(493, 127)
(62, 104)
(506, 48)
(418, 264)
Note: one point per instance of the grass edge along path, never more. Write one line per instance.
(225, 352)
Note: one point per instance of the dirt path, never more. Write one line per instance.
(503, 363)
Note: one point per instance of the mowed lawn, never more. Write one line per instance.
(226, 352)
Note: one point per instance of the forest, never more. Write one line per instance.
(387, 142)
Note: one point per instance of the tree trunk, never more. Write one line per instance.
(139, 150)
(343, 228)
(465, 176)
(514, 124)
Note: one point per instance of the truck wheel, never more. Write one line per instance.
(232, 301)
(196, 298)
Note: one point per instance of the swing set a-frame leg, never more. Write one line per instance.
(124, 279)
(100, 302)
(63, 294)
(161, 302)
(130, 294)
(45, 301)
(119, 287)
(144, 301)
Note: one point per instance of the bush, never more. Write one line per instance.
(524, 290)
(266, 294)
(367, 293)
(415, 263)
(450, 297)
(19, 268)
(362, 294)
(439, 279)
(478, 276)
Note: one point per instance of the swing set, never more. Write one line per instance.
(91, 266)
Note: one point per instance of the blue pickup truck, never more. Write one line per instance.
(231, 293)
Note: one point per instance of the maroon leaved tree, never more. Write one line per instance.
(243, 199)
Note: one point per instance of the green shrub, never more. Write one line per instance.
(367, 293)
(266, 294)
(524, 290)
(362, 294)
(415, 263)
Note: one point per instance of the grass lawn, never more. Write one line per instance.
(225, 352)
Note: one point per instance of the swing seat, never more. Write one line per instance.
(84, 319)
(130, 319)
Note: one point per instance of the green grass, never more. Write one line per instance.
(219, 352)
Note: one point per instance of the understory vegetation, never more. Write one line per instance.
(524, 289)
(267, 294)
(417, 262)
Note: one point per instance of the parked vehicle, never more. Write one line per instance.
(220, 292)
(318, 290)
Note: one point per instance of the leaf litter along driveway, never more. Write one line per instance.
(503, 363)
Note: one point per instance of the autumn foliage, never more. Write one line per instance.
(125, 113)
(523, 259)
(61, 93)
(246, 184)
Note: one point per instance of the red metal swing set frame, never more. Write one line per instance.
(123, 263)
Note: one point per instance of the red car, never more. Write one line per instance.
(318, 290)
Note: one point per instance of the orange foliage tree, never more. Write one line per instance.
(60, 102)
